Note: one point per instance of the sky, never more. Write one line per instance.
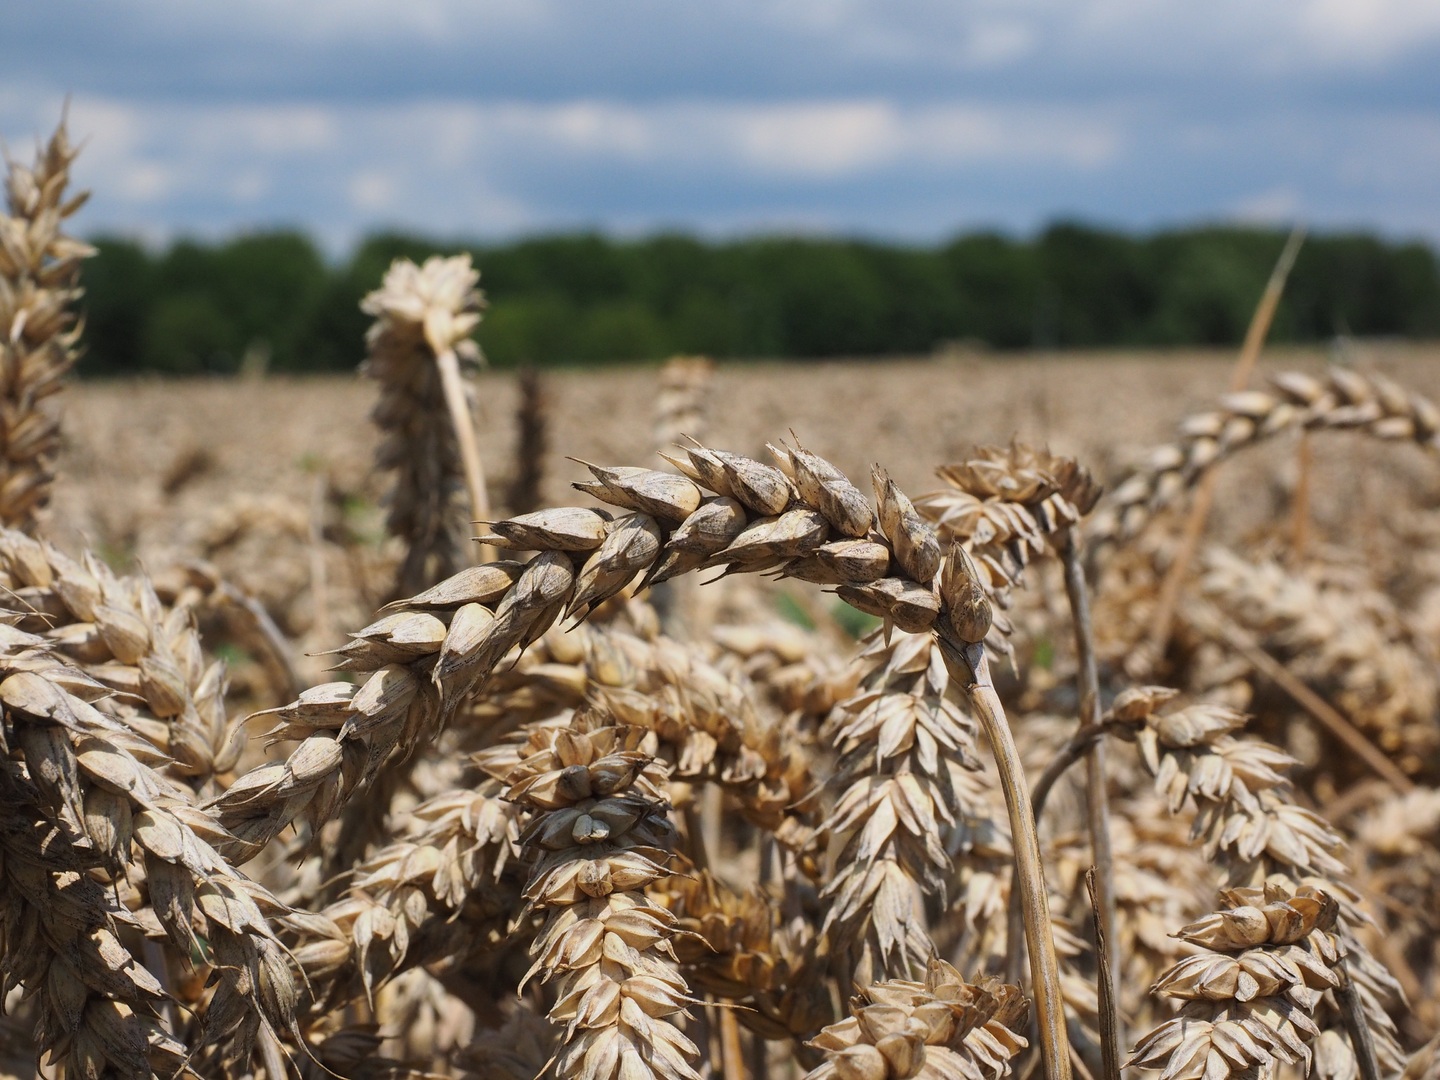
(910, 120)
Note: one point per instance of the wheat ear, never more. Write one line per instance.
(902, 810)
(599, 833)
(424, 316)
(805, 520)
(1341, 635)
(1249, 825)
(94, 780)
(39, 330)
(940, 1028)
(118, 632)
(1251, 992)
(1344, 400)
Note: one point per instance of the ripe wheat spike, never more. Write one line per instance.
(39, 326)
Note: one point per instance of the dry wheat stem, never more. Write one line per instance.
(1111, 1035)
(1357, 1026)
(969, 665)
(460, 416)
(1097, 797)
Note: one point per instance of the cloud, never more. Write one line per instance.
(482, 166)
(1273, 206)
(906, 117)
(643, 50)
(1368, 32)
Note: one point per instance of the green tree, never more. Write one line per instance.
(119, 290)
(187, 333)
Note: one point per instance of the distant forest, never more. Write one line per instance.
(271, 300)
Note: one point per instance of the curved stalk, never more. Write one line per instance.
(1097, 798)
(969, 665)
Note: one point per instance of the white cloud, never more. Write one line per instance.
(1273, 206)
(372, 190)
(458, 166)
(819, 140)
(250, 185)
(810, 139)
(1368, 32)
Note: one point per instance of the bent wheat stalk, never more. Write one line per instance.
(1170, 588)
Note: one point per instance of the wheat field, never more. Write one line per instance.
(1055, 715)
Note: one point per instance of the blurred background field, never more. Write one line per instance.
(205, 442)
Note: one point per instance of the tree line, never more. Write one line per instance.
(272, 300)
